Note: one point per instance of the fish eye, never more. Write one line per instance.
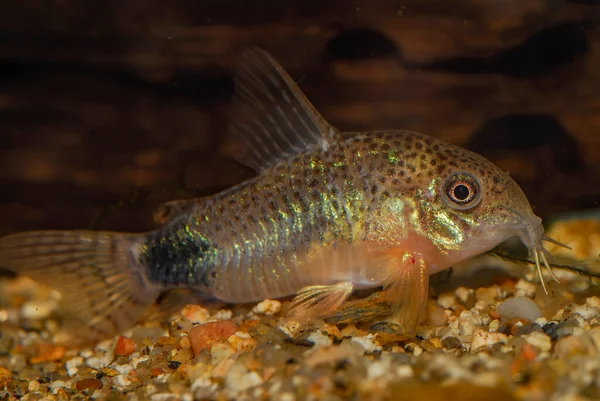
(461, 191)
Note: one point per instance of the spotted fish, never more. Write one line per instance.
(327, 213)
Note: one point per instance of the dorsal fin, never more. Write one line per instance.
(270, 118)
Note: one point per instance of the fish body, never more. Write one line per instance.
(328, 213)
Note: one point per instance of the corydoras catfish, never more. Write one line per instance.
(327, 213)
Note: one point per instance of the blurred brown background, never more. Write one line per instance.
(109, 108)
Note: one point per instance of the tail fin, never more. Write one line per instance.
(104, 288)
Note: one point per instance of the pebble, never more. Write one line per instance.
(483, 338)
(121, 381)
(56, 385)
(367, 342)
(463, 294)
(92, 384)
(33, 386)
(446, 300)
(570, 346)
(73, 364)
(203, 336)
(241, 379)
(318, 338)
(539, 340)
(525, 288)
(124, 346)
(267, 307)
(195, 314)
(5, 376)
(519, 307)
(467, 321)
(586, 311)
(437, 316)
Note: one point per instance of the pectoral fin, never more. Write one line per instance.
(320, 300)
(406, 287)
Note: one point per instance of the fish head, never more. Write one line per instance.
(467, 206)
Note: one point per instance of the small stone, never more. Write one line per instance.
(125, 346)
(33, 386)
(483, 338)
(220, 351)
(539, 340)
(91, 384)
(585, 311)
(570, 346)
(463, 294)
(467, 322)
(437, 316)
(446, 300)
(183, 355)
(121, 381)
(525, 288)
(318, 338)
(195, 314)
(185, 342)
(5, 376)
(267, 307)
(165, 397)
(205, 335)
(451, 343)
(367, 343)
(49, 353)
(56, 385)
(73, 364)
(519, 307)
(487, 295)
(240, 379)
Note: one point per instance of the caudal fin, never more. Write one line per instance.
(103, 286)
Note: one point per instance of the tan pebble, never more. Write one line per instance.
(539, 340)
(437, 316)
(269, 372)
(487, 295)
(333, 330)
(220, 350)
(185, 342)
(5, 376)
(205, 335)
(463, 293)
(110, 372)
(183, 355)
(221, 369)
(446, 300)
(437, 343)
(242, 341)
(570, 346)
(33, 386)
(195, 313)
(267, 307)
(483, 338)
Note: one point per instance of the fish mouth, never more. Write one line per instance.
(533, 238)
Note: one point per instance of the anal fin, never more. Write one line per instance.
(320, 300)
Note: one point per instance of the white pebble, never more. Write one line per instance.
(72, 365)
(482, 338)
(165, 397)
(286, 396)
(586, 311)
(33, 386)
(267, 307)
(525, 288)
(519, 307)
(240, 379)
(123, 369)
(121, 381)
(404, 372)
(367, 343)
(223, 314)
(94, 363)
(135, 360)
(463, 293)
(377, 369)
(539, 340)
(56, 385)
(319, 338)
(86, 353)
(593, 302)
(446, 300)
(467, 322)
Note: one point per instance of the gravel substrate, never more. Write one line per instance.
(503, 340)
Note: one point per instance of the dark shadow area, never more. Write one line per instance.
(539, 55)
(524, 132)
(359, 44)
